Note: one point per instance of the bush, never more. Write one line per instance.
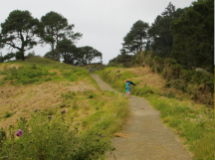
(2, 135)
(46, 138)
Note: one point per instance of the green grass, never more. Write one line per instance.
(108, 117)
(195, 126)
(37, 70)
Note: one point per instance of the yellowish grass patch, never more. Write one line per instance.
(25, 99)
(148, 77)
(1, 77)
(6, 66)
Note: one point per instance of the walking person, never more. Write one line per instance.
(128, 88)
(91, 70)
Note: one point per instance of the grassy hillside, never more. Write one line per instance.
(192, 121)
(60, 109)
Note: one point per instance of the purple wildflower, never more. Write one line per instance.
(19, 133)
(36, 110)
(63, 111)
(50, 117)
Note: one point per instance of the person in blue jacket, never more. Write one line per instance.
(128, 87)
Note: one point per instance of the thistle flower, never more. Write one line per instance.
(50, 117)
(36, 110)
(63, 111)
(19, 133)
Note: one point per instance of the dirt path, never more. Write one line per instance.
(149, 139)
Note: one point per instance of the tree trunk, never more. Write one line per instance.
(52, 48)
(23, 55)
(23, 46)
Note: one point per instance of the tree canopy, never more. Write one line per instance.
(87, 54)
(184, 34)
(134, 41)
(18, 31)
(68, 51)
(193, 36)
(77, 55)
(160, 31)
(56, 28)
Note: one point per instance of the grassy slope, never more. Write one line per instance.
(51, 87)
(193, 122)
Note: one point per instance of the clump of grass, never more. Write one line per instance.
(68, 95)
(62, 105)
(8, 114)
(3, 135)
(90, 94)
(48, 111)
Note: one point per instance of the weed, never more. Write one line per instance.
(69, 95)
(3, 135)
(48, 112)
(90, 94)
(62, 106)
(8, 114)
(51, 139)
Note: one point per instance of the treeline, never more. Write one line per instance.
(22, 32)
(186, 35)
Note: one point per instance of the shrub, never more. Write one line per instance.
(2, 135)
(49, 138)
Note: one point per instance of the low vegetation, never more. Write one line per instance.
(197, 83)
(51, 110)
(192, 121)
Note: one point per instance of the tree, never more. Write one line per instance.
(194, 36)
(8, 56)
(86, 54)
(55, 28)
(160, 32)
(169, 10)
(134, 41)
(1, 57)
(68, 50)
(77, 55)
(18, 31)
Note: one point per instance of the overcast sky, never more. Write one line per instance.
(103, 23)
